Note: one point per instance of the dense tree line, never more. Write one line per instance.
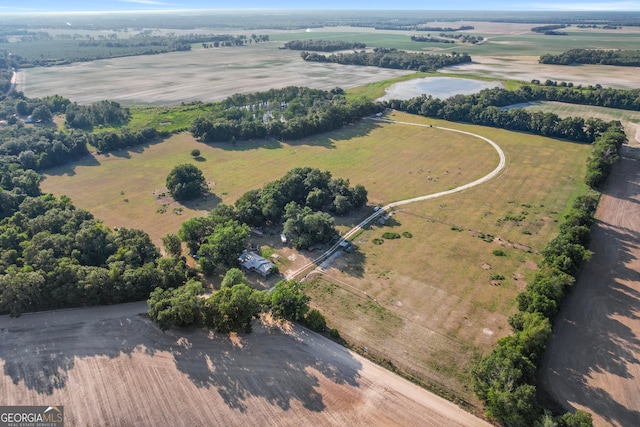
(323, 45)
(448, 38)
(627, 58)
(416, 27)
(232, 308)
(392, 58)
(290, 113)
(485, 108)
(105, 113)
(464, 38)
(604, 155)
(429, 39)
(506, 379)
(124, 138)
(54, 255)
(551, 30)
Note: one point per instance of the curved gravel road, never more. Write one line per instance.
(501, 164)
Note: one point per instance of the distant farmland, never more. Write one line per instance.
(199, 75)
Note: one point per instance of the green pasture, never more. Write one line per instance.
(393, 162)
(439, 281)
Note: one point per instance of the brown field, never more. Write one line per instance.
(110, 366)
(527, 68)
(198, 75)
(593, 361)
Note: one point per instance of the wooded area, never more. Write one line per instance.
(486, 108)
(323, 45)
(392, 58)
(288, 113)
(624, 58)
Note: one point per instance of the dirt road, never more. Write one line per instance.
(111, 366)
(593, 361)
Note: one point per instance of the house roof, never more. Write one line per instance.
(253, 261)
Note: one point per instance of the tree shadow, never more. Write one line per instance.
(277, 363)
(206, 202)
(138, 148)
(326, 139)
(69, 169)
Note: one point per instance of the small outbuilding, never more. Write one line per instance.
(253, 262)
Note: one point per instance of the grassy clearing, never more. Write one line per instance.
(441, 281)
(166, 119)
(393, 162)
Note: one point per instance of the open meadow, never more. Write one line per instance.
(430, 303)
(123, 188)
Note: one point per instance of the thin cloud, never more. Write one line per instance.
(586, 6)
(148, 2)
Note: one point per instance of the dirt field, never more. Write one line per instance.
(593, 361)
(202, 75)
(528, 68)
(111, 366)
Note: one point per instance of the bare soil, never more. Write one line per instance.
(593, 361)
(112, 366)
(199, 75)
(527, 68)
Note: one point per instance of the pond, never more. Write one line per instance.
(438, 87)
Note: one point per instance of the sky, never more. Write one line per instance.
(17, 6)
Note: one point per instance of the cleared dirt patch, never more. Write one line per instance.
(593, 361)
(111, 366)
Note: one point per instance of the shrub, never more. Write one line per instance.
(389, 235)
(499, 252)
(377, 241)
(316, 321)
(195, 152)
(407, 234)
